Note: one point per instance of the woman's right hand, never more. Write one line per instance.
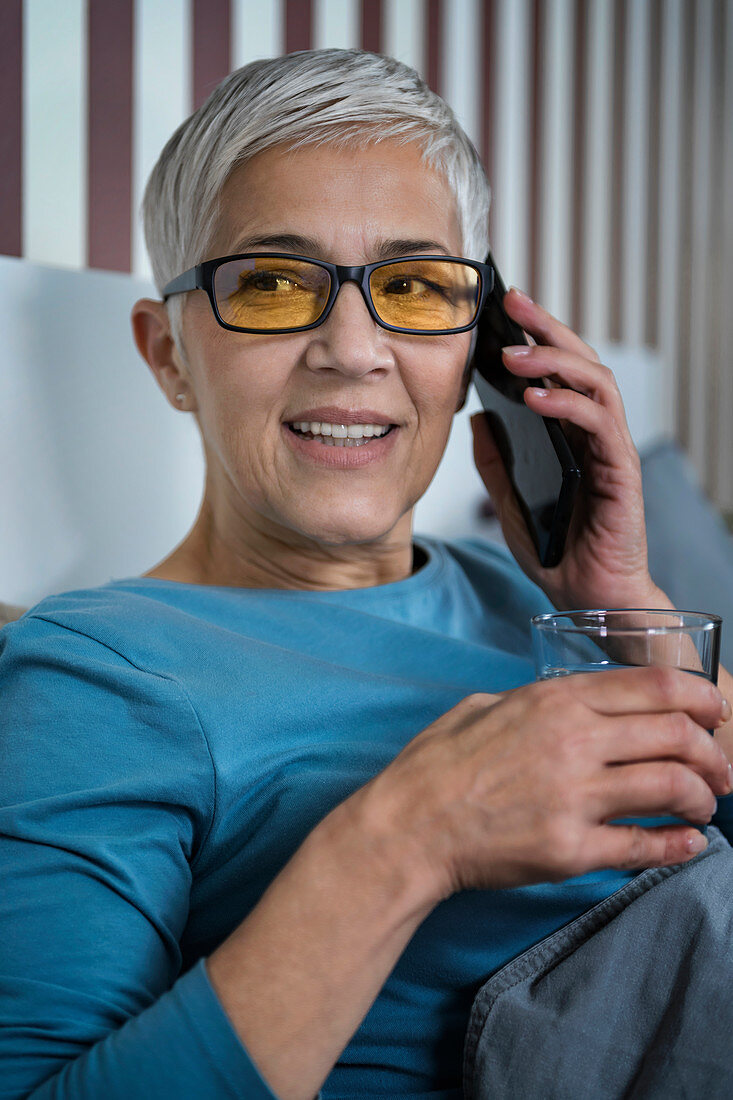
(507, 790)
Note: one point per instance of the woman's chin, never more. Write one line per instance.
(350, 530)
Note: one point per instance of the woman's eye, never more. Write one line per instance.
(404, 285)
(266, 281)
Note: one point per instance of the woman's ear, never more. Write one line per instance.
(152, 332)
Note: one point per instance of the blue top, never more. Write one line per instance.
(164, 749)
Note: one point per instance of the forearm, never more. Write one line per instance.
(300, 973)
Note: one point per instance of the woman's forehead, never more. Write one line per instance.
(324, 196)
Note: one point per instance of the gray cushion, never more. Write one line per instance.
(690, 548)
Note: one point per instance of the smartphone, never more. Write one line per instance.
(534, 449)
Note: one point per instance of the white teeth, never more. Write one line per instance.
(340, 435)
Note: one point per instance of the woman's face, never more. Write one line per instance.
(347, 207)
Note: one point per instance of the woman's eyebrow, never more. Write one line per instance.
(388, 249)
(307, 246)
(279, 242)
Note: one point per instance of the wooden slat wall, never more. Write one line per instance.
(605, 128)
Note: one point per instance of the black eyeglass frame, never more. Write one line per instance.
(201, 277)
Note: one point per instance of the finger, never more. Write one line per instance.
(542, 326)
(652, 789)
(609, 436)
(579, 373)
(647, 690)
(632, 847)
(671, 737)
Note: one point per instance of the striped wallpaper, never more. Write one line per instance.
(605, 126)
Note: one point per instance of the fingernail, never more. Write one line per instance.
(522, 295)
(516, 351)
(725, 710)
(538, 392)
(696, 843)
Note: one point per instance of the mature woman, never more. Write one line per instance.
(271, 812)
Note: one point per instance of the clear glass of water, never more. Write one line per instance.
(593, 641)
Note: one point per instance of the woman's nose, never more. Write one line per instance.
(350, 341)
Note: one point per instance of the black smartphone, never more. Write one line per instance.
(534, 449)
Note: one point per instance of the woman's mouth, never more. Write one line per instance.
(339, 435)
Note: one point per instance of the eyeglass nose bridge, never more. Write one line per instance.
(341, 274)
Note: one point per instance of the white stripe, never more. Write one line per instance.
(404, 32)
(54, 131)
(699, 259)
(509, 135)
(595, 276)
(556, 109)
(162, 95)
(671, 100)
(258, 30)
(460, 58)
(636, 121)
(336, 24)
(725, 320)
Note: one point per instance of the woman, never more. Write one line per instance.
(263, 804)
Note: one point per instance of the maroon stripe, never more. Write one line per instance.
(488, 57)
(212, 38)
(11, 128)
(617, 167)
(434, 33)
(579, 153)
(371, 25)
(298, 25)
(651, 320)
(539, 26)
(109, 220)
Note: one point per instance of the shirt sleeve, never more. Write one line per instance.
(106, 798)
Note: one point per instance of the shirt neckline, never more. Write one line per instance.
(433, 566)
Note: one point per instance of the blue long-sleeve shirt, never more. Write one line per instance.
(164, 749)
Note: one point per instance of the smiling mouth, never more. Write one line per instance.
(340, 435)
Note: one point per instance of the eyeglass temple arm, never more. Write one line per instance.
(189, 280)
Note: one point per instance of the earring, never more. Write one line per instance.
(180, 398)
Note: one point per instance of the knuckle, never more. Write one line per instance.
(639, 845)
(682, 729)
(563, 846)
(664, 681)
(674, 783)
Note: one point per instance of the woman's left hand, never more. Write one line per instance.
(605, 559)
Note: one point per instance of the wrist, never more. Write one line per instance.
(363, 835)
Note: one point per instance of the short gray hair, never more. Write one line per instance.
(335, 97)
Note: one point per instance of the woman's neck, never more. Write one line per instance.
(257, 558)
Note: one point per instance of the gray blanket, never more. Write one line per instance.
(634, 999)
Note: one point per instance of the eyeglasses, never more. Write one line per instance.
(278, 293)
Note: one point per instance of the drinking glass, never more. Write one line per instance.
(593, 641)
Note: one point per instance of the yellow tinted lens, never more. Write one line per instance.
(265, 292)
(425, 294)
